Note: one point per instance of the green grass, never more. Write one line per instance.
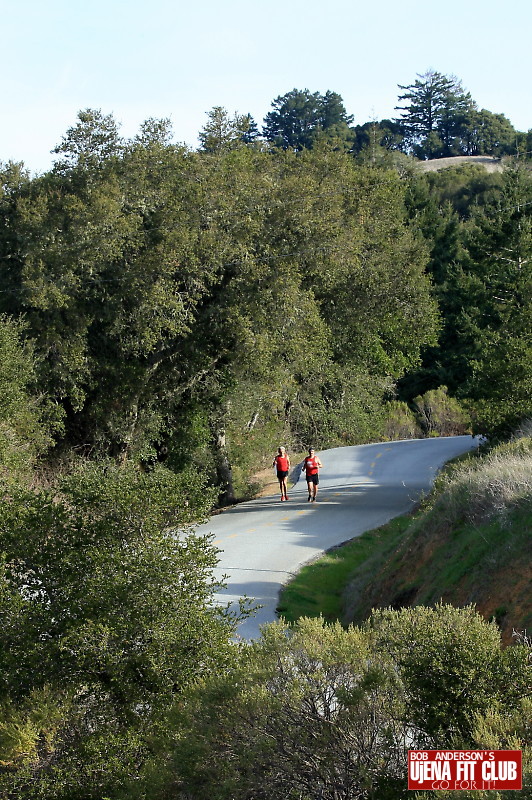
(477, 554)
(319, 587)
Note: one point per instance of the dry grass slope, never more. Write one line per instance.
(472, 545)
(490, 163)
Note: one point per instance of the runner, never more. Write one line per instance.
(282, 463)
(311, 465)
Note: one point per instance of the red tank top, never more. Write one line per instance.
(282, 463)
(311, 465)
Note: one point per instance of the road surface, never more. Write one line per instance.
(264, 542)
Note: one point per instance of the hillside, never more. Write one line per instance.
(469, 545)
(490, 163)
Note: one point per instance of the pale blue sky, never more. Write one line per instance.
(138, 59)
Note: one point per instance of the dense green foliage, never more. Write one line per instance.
(167, 291)
(26, 421)
(478, 226)
(167, 316)
(439, 119)
(300, 119)
(105, 602)
(323, 712)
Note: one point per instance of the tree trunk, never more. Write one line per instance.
(224, 473)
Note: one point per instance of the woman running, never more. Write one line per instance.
(282, 464)
(311, 466)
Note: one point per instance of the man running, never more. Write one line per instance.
(282, 464)
(311, 465)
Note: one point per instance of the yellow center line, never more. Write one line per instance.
(232, 535)
(378, 455)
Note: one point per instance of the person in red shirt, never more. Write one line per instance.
(311, 466)
(282, 464)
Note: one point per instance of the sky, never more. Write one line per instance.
(178, 59)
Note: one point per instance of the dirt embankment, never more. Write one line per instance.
(435, 563)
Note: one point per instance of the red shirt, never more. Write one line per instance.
(281, 463)
(311, 465)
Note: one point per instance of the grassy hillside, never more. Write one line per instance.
(490, 163)
(470, 544)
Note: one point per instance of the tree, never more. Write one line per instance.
(106, 602)
(300, 116)
(499, 273)
(317, 711)
(380, 265)
(96, 269)
(223, 132)
(374, 137)
(440, 205)
(437, 114)
(439, 414)
(172, 281)
(91, 142)
(492, 134)
(26, 421)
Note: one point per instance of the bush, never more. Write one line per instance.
(400, 422)
(440, 415)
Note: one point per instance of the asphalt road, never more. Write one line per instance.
(264, 542)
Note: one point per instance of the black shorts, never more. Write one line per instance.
(282, 473)
(313, 479)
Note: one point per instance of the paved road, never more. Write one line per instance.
(264, 542)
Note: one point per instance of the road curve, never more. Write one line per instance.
(264, 542)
